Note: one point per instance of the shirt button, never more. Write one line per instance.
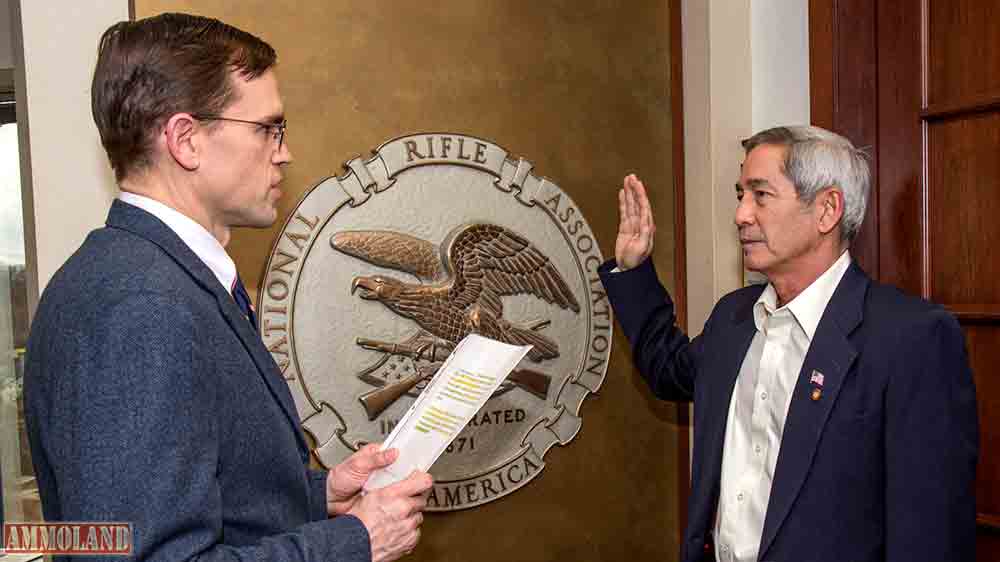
(757, 449)
(739, 496)
(763, 396)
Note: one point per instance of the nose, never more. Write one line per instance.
(283, 155)
(744, 211)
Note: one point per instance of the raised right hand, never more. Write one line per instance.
(635, 225)
(393, 516)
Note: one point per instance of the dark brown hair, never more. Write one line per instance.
(153, 68)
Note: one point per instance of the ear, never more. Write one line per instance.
(829, 208)
(183, 140)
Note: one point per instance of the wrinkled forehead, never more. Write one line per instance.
(764, 164)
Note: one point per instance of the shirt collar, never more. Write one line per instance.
(202, 243)
(807, 308)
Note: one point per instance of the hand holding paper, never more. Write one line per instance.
(461, 386)
(392, 516)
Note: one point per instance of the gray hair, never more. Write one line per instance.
(816, 159)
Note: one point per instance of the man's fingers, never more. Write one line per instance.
(629, 181)
(406, 510)
(639, 209)
(413, 485)
(638, 198)
(639, 190)
(646, 223)
(628, 217)
(633, 185)
(630, 199)
(385, 458)
(622, 211)
(416, 520)
(416, 535)
(419, 503)
(370, 458)
(411, 542)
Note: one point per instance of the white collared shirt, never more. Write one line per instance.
(200, 240)
(758, 409)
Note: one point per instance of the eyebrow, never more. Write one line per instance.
(754, 183)
(275, 118)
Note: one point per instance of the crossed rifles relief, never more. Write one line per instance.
(460, 290)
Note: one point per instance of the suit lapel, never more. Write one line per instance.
(716, 416)
(743, 332)
(144, 224)
(265, 363)
(832, 355)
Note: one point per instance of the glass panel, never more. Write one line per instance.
(20, 492)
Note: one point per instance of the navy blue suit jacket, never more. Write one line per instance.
(880, 468)
(151, 400)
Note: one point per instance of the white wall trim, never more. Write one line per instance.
(66, 182)
(717, 114)
(746, 68)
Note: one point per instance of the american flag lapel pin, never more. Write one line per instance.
(816, 379)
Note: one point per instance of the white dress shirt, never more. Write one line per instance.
(202, 243)
(758, 409)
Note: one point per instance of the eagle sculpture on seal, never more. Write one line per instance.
(463, 281)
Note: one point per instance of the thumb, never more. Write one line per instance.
(370, 458)
(416, 483)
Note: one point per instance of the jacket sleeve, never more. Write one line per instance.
(662, 352)
(931, 444)
(317, 493)
(131, 436)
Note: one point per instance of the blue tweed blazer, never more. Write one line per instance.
(150, 399)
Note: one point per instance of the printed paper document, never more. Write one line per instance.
(457, 391)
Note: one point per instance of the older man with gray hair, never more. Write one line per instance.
(835, 417)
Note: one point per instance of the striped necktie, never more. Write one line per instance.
(243, 301)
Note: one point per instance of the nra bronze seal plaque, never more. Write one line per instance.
(377, 274)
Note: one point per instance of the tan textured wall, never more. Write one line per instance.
(578, 87)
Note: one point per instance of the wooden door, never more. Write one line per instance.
(918, 82)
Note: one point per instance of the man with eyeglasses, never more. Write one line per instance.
(150, 396)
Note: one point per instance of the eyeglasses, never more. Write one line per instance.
(277, 130)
